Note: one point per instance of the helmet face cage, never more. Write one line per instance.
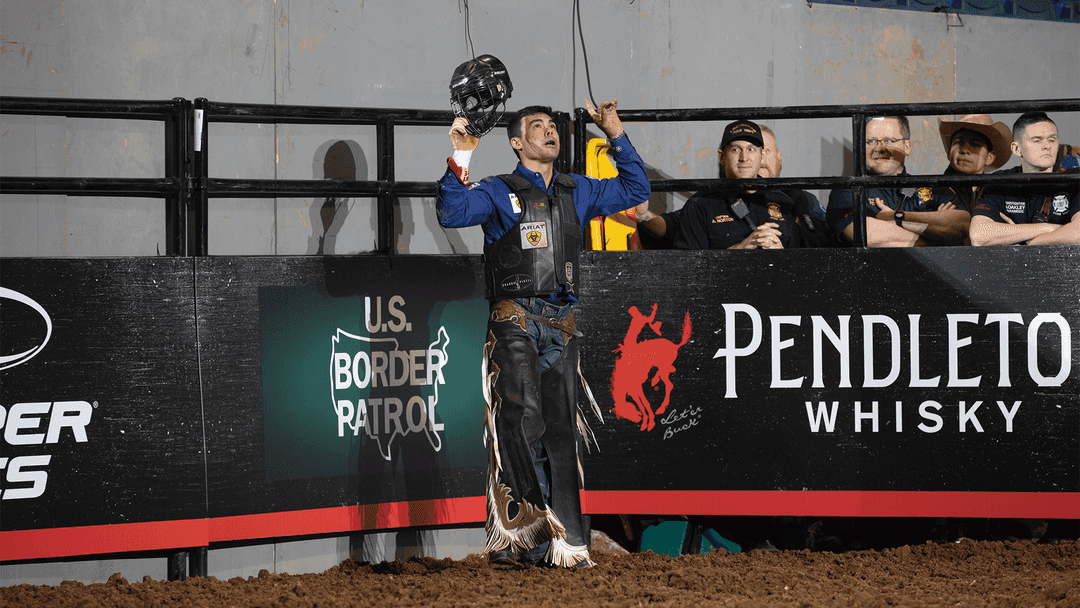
(479, 89)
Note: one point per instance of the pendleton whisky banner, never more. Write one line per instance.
(879, 382)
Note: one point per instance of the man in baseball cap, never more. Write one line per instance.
(728, 218)
(742, 130)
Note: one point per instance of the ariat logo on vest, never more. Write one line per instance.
(534, 235)
(515, 204)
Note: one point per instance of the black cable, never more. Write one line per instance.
(584, 55)
(468, 34)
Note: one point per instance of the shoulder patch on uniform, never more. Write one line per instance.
(1060, 205)
(774, 212)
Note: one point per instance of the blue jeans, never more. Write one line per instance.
(549, 341)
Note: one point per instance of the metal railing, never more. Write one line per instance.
(172, 188)
(385, 189)
(859, 114)
(188, 186)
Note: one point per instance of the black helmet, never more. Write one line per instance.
(477, 89)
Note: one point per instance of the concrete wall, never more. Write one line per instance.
(379, 53)
(387, 53)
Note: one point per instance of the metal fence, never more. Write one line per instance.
(187, 185)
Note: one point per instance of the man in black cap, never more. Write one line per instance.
(725, 218)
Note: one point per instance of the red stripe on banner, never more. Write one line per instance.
(1050, 505)
(115, 538)
(155, 535)
(149, 536)
(351, 518)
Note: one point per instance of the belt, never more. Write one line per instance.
(560, 325)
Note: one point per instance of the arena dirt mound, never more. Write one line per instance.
(969, 573)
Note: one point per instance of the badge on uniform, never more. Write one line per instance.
(1060, 204)
(534, 235)
(774, 212)
(925, 195)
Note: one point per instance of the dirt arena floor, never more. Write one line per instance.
(967, 573)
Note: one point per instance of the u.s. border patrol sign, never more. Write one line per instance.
(378, 369)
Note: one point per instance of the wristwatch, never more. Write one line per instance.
(899, 217)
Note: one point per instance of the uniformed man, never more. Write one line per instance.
(895, 217)
(725, 218)
(1035, 215)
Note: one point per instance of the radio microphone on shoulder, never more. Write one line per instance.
(742, 212)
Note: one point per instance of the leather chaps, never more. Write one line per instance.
(531, 431)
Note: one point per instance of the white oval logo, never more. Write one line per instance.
(8, 361)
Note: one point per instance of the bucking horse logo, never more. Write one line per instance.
(635, 360)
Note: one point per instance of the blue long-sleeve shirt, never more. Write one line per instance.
(489, 204)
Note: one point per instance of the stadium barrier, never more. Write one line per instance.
(175, 402)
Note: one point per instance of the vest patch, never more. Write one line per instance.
(534, 235)
(514, 203)
(1014, 206)
(720, 219)
(517, 282)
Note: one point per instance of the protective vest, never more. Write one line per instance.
(538, 255)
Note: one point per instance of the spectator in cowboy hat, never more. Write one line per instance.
(974, 144)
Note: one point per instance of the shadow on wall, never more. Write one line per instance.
(337, 160)
(837, 158)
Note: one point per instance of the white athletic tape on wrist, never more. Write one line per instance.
(462, 158)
